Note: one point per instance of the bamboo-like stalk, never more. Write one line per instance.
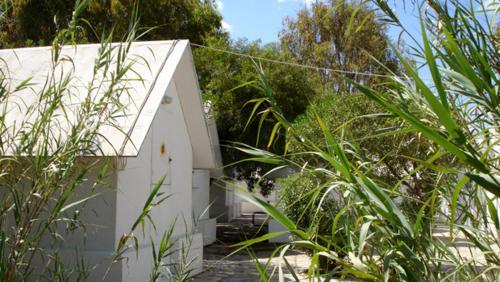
(374, 237)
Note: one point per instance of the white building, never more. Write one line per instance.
(169, 135)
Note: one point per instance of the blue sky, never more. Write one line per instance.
(262, 19)
(257, 19)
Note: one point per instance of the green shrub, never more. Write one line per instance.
(381, 138)
(458, 112)
(230, 81)
(308, 200)
(296, 197)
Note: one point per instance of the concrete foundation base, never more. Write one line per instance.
(208, 228)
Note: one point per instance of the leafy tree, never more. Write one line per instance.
(339, 34)
(35, 22)
(228, 81)
(32, 22)
(170, 19)
(458, 113)
(382, 138)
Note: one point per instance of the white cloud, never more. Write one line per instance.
(225, 26)
(219, 5)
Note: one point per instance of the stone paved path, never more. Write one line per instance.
(240, 267)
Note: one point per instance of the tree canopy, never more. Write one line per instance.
(35, 22)
(229, 82)
(381, 137)
(334, 34)
(339, 34)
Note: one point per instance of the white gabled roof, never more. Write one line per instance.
(157, 63)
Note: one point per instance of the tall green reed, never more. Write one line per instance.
(42, 169)
(453, 233)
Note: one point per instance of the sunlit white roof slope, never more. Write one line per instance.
(155, 65)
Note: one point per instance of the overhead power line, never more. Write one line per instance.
(291, 64)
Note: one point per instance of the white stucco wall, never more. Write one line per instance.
(163, 146)
(170, 129)
(133, 188)
(201, 193)
(201, 205)
(109, 216)
(165, 152)
(95, 243)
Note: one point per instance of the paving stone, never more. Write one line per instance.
(240, 267)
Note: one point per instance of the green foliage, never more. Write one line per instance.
(383, 139)
(36, 22)
(45, 183)
(164, 251)
(229, 81)
(301, 199)
(453, 234)
(38, 192)
(170, 19)
(461, 115)
(343, 35)
(29, 22)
